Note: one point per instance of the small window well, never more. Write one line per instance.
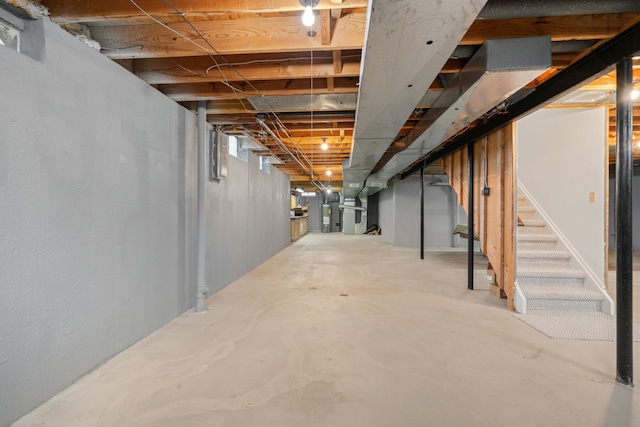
(9, 36)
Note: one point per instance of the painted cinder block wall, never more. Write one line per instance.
(399, 212)
(98, 208)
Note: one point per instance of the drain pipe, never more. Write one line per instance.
(201, 286)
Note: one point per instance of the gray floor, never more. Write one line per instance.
(350, 331)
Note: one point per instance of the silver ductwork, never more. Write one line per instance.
(496, 71)
(318, 102)
(406, 45)
(397, 64)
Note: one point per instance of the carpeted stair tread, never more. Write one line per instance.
(537, 238)
(542, 292)
(550, 272)
(544, 255)
(534, 223)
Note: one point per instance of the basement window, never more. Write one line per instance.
(236, 150)
(9, 36)
(265, 166)
(233, 146)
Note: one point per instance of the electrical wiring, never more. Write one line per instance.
(295, 58)
(167, 27)
(225, 81)
(182, 15)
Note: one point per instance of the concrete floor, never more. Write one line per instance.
(350, 331)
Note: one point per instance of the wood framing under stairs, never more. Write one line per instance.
(494, 213)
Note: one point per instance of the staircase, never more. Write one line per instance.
(544, 275)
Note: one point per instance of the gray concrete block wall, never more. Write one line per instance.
(98, 207)
(399, 212)
(386, 214)
(247, 220)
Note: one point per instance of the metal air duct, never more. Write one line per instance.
(496, 71)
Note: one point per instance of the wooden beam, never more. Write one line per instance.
(330, 84)
(202, 69)
(110, 11)
(325, 27)
(337, 62)
(237, 36)
(579, 27)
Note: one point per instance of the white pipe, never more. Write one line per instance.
(201, 287)
(356, 208)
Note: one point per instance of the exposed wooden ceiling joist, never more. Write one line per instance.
(202, 69)
(105, 12)
(578, 27)
(271, 51)
(236, 36)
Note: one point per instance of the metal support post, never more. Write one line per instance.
(422, 211)
(624, 257)
(471, 233)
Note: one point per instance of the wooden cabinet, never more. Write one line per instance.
(298, 227)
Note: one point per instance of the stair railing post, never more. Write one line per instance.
(470, 210)
(624, 242)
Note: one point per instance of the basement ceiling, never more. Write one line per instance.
(254, 61)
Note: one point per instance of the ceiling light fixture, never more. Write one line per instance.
(328, 172)
(324, 146)
(307, 17)
(635, 94)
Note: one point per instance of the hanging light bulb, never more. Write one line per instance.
(324, 146)
(307, 17)
(635, 94)
(328, 172)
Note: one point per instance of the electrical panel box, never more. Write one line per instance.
(218, 155)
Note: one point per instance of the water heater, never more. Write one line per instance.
(326, 218)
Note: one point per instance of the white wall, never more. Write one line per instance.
(561, 159)
(97, 238)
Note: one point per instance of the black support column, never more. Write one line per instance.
(470, 234)
(624, 259)
(422, 211)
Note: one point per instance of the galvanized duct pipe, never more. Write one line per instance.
(560, 46)
(201, 287)
(509, 9)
